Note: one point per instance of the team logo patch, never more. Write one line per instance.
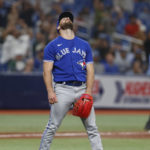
(82, 64)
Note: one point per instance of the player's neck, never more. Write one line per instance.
(67, 34)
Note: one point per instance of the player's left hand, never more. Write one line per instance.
(82, 107)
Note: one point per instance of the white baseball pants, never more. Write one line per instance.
(66, 96)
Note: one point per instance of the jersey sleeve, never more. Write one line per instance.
(89, 57)
(49, 53)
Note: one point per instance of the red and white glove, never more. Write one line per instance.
(82, 107)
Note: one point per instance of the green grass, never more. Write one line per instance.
(19, 144)
(108, 123)
(37, 123)
(23, 123)
(75, 144)
(121, 122)
(126, 144)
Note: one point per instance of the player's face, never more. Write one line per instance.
(66, 23)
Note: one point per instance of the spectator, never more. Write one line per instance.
(119, 19)
(110, 67)
(38, 60)
(80, 5)
(4, 11)
(141, 34)
(15, 43)
(144, 15)
(139, 56)
(84, 23)
(122, 60)
(99, 11)
(26, 13)
(98, 29)
(29, 66)
(103, 46)
(132, 28)
(127, 5)
(136, 69)
(39, 39)
(17, 64)
(36, 64)
(56, 9)
(98, 67)
(45, 5)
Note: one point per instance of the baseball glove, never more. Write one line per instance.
(82, 107)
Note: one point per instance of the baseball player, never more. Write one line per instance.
(69, 59)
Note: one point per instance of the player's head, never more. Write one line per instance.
(65, 21)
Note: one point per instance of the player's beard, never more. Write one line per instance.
(67, 25)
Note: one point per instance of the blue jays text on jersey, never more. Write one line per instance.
(64, 51)
(70, 58)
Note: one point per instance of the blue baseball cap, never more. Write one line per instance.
(64, 15)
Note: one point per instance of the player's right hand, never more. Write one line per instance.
(52, 98)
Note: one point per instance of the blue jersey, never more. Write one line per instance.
(69, 57)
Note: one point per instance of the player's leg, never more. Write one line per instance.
(58, 112)
(92, 131)
(90, 124)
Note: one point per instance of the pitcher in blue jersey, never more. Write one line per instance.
(69, 60)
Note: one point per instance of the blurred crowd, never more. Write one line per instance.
(118, 32)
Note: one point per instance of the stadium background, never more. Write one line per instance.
(119, 34)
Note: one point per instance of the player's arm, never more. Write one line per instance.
(47, 75)
(90, 78)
